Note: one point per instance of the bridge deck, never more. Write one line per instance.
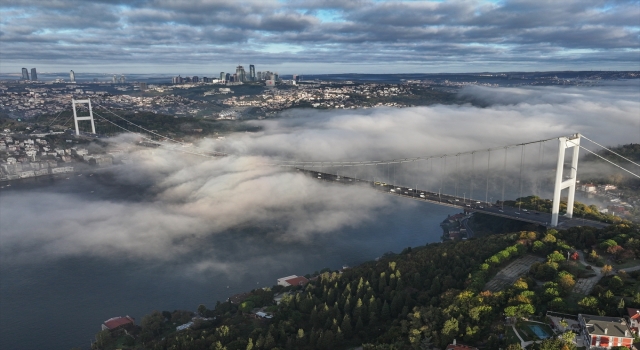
(471, 205)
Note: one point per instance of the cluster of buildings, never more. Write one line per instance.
(610, 193)
(598, 332)
(240, 76)
(33, 156)
(321, 96)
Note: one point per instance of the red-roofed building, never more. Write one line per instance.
(117, 322)
(292, 280)
(634, 319)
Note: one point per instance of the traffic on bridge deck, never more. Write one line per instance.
(471, 205)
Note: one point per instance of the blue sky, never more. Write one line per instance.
(318, 36)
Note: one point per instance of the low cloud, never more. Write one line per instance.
(186, 201)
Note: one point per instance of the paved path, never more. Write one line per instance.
(511, 273)
(585, 285)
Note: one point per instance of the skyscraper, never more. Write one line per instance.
(34, 75)
(72, 76)
(25, 74)
(222, 76)
(227, 76)
(122, 79)
(240, 73)
(252, 72)
(114, 79)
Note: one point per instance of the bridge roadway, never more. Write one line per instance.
(470, 205)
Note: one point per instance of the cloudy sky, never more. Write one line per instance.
(319, 36)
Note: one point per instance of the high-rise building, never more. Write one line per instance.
(240, 74)
(122, 79)
(259, 76)
(72, 76)
(195, 79)
(227, 76)
(34, 75)
(25, 74)
(252, 72)
(222, 76)
(114, 79)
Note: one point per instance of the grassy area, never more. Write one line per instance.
(510, 336)
(628, 264)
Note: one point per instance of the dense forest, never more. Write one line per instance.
(422, 298)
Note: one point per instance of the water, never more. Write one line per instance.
(59, 304)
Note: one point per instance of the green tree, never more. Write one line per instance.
(152, 323)
(345, 326)
(450, 329)
(250, 344)
(104, 339)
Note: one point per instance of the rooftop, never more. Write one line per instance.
(116, 322)
(611, 326)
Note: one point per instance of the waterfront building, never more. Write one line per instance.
(223, 76)
(25, 74)
(34, 75)
(114, 79)
(195, 79)
(72, 76)
(252, 72)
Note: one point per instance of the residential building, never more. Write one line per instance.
(118, 322)
(633, 317)
(292, 280)
(600, 332)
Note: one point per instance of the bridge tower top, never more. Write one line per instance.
(572, 141)
(89, 117)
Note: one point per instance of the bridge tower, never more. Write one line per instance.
(76, 118)
(570, 182)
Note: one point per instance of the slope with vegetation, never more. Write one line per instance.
(422, 298)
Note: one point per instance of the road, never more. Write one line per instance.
(471, 205)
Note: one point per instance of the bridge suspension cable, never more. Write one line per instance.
(621, 156)
(605, 159)
(213, 153)
(294, 163)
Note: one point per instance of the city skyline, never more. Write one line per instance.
(320, 37)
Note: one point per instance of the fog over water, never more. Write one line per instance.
(171, 230)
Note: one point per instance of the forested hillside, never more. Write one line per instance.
(419, 299)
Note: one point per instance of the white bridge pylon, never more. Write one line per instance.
(89, 117)
(572, 141)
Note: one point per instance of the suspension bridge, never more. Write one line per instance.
(483, 174)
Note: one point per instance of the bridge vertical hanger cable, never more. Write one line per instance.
(521, 163)
(441, 177)
(431, 170)
(504, 174)
(473, 169)
(457, 172)
(486, 195)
